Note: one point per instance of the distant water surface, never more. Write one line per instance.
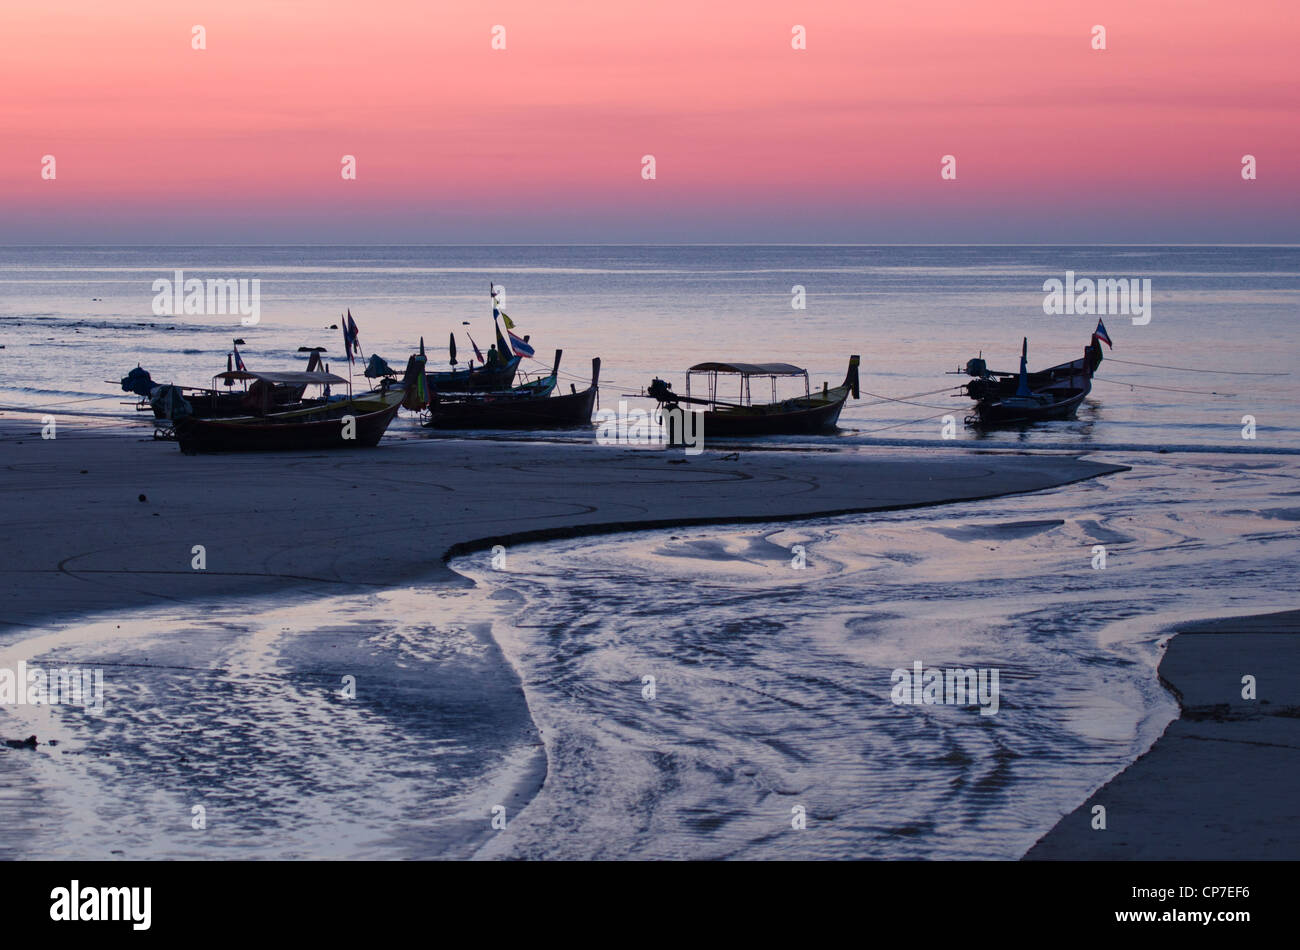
(73, 320)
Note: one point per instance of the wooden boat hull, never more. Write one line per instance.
(475, 380)
(314, 428)
(753, 421)
(539, 412)
(1064, 387)
(802, 415)
(998, 413)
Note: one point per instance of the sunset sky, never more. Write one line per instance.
(1055, 142)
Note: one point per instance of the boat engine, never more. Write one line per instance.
(138, 381)
(663, 392)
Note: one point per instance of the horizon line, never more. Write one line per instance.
(685, 244)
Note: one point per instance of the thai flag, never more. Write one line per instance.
(520, 347)
(1101, 334)
(477, 351)
(239, 361)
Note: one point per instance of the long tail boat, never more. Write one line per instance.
(531, 405)
(1022, 398)
(357, 421)
(475, 378)
(812, 412)
(168, 401)
(496, 376)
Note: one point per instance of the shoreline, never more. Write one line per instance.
(376, 518)
(1214, 785)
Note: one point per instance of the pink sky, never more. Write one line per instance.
(1055, 142)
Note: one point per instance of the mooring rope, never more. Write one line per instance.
(1190, 369)
(1169, 389)
(909, 422)
(905, 399)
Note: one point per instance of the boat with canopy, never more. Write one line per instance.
(814, 411)
(339, 422)
(229, 395)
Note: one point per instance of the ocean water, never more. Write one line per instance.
(73, 320)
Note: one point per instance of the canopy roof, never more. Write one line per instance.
(293, 379)
(750, 369)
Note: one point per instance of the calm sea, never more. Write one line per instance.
(73, 318)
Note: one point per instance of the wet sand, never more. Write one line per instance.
(82, 541)
(103, 522)
(1220, 783)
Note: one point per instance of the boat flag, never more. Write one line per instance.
(1101, 334)
(347, 340)
(477, 353)
(521, 347)
(239, 361)
(502, 346)
(352, 331)
(510, 324)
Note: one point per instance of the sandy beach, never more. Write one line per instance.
(105, 522)
(373, 518)
(1220, 783)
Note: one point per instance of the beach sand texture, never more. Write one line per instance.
(98, 522)
(1221, 782)
(81, 541)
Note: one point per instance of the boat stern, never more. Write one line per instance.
(851, 378)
